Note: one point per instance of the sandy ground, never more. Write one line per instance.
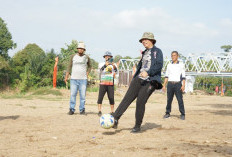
(40, 126)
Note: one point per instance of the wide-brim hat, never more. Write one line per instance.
(107, 53)
(147, 35)
(81, 45)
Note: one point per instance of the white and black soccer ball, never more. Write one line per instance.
(106, 121)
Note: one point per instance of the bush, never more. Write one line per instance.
(92, 89)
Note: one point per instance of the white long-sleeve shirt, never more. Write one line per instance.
(175, 72)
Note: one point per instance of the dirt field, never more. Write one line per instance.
(39, 126)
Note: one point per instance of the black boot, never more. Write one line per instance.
(115, 126)
(136, 129)
(71, 112)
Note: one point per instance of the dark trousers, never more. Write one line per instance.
(139, 89)
(110, 93)
(174, 88)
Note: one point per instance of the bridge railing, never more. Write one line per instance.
(206, 64)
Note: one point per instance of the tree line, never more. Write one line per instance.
(32, 67)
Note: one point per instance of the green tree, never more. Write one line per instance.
(182, 57)
(117, 58)
(67, 52)
(27, 65)
(47, 69)
(4, 66)
(4, 70)
(94, 63)
(226, 47)
(127, 57)
(6, 41)
(32, 56)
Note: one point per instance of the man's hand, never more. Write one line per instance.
(66, 77)
(182, 88)
(65, 80)
(164, 88)
(143, 74)
(107, 63)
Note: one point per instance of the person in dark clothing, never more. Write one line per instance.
(146, 79)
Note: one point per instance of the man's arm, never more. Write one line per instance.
(115, 69)
(89, 66)
(183, 79)
(166, 78)
(165, 83)
(183, 85)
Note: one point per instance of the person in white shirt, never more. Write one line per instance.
(79, 67)
(175, 80)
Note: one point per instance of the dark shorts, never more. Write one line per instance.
(110, 92)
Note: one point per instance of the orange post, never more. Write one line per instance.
(55, 72)
(222, 92)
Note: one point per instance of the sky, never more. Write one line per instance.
(187, 26)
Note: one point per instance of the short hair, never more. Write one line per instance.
(175, 52)
(154, 41)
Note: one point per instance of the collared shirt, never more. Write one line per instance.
(175, 72)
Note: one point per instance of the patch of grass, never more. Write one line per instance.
(91, 104)
(32, 94)
(46, 91)
(15, 96)
(51, 99)
(18, 105)
(32, 107)
(228, 93)
(92, 89)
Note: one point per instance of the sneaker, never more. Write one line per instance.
(70, 112)
(99, 113)
(167, 115)
(115, 124)
(136, 129)
(182, 117)
(82, 112)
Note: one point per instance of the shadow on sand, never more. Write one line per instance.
(144, 128)
(86, 113)
(222, 112)
(9, 117)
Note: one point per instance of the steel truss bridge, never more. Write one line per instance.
(205, 64)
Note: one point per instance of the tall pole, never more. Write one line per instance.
(222, 92)
(55, 71)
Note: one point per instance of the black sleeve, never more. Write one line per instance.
(115, 68)
(103, 67)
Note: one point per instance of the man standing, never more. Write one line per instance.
(79, 68)
(107, 74)
(175, 77)
(146, 79)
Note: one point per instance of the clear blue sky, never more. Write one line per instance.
(188, 26)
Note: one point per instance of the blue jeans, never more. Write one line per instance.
(75, 86)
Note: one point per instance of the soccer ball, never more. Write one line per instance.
(106, 121)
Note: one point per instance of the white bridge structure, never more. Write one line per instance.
(205, 64)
